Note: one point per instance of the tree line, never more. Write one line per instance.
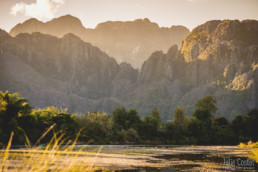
(124, 126)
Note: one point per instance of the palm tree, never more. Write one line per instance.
(11, 106)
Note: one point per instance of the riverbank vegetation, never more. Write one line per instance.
(124, 126)
(54, 156)
(251, 145)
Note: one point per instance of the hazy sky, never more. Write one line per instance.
(166, 13)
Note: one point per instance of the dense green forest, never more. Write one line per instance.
(124, 126)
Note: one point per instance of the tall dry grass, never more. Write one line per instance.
(251, 145)
(57, 155)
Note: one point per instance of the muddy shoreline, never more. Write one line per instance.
(160, 158)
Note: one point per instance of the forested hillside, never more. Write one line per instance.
(123, 126)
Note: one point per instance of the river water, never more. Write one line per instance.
(163, 158)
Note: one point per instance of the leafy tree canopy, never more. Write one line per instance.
(207, 103)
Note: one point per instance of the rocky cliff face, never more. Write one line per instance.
(225, 51)
(131, 41)
(219, 58)
(60, 71)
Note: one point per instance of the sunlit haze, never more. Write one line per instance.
(166, 13)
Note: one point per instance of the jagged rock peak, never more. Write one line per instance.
(127, 41)
(71, 36)
(67, 19)
(57, 26)
(35, 36)
(157, 53)
(219, 33)
(152, 60)
(121, 24)
(32, 21)
(172, 51)
(227, 29)
(143, 20)
(125, 66)
(26, 27)
(3, 33)
(3, 36)
(179, 28)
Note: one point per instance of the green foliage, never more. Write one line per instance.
(119, 118)
(170, 137)
(222, 134)
(151, 125)
(41, 119)
(179, 117)
(11, 107)
(133, 120)
(17, 115)
(207, 103)
(155, 115)
(179, 126)
(245, 126)
(200, 127)
(97, 127)
(203, 115)
(124, 127)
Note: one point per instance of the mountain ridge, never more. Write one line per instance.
(83, 78)
(127, 41)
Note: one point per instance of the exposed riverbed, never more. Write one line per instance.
(174, 158)
(155, 158)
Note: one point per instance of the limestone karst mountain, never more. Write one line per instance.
(219, 58)
(131, 41)
(60, 71)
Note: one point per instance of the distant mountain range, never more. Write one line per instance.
(131, 41)
(219, 58)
